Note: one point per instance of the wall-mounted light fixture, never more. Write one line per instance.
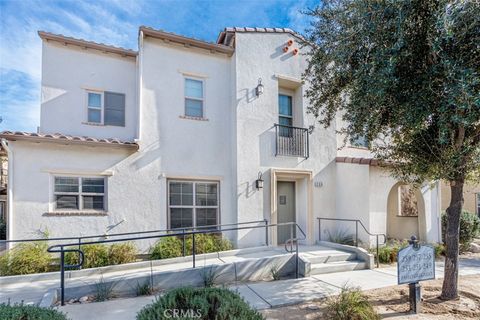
(259, 181)
(259, 88)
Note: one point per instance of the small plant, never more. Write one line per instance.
(26, 258)
(342, 237)
(200, 304)
(209, 276)
(350, 304)
(439, 249)
(144, 289)
(469, 228)
(275, 272)
(103, 289)
(20, 311)
(122, 253)
(388, 252)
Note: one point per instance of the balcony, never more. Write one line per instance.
(291, 141)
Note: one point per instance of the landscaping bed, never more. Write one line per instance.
(392, 302)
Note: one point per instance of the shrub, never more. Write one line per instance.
(388, 253)
(350, 304)
(469, 228)
(168, 247)
(3, 229)
(26, 258)
(171, 247)
(122, 253)
(439, 250)
(95, 255)
(200, 303)
(29, 312)
(341, 237)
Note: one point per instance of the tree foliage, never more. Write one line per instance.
(405, 74)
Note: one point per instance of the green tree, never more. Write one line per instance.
(404, 74)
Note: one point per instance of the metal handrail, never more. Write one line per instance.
(376, 235)
(295, 239)
(60, 248)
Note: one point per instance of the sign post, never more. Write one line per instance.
(415, 263)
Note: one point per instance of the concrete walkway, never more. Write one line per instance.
(264, 295)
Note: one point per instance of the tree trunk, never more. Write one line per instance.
(452, 237)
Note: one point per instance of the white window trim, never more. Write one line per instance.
(53, 204)
(185, 97)
(194, 206)
(102, 107)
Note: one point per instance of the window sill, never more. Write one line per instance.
(76, 213)
(94, 124)
(359, 148)
(193, 118)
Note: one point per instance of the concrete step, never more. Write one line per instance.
(339, 266)
(332, 257)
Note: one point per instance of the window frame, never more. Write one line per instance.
(80, 194)
(185, 97)
(102, 105)
(194, 205)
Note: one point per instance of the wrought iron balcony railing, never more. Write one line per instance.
(291, 141)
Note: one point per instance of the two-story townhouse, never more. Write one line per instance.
(185, 133)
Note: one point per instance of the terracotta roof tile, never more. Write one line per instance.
(58, 137)
(358, 160)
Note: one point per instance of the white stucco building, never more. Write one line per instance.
(176, 135)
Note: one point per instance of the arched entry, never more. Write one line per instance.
(405, 212)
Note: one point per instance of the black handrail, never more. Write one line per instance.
(60, 248)
(376, 235)
(295, 239)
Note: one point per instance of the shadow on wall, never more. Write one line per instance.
(267, 152)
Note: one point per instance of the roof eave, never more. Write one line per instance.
(186, 41)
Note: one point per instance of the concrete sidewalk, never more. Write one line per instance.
(264, 295)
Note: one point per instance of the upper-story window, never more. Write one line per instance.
(285, 114)
(79, 193)
(194, 98)
(107, 108)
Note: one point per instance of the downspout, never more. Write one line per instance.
(9, 190)
(139, 85)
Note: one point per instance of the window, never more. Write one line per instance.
(360, 141)
(193, 204)
(285, 115)
(106, 108)
(194, 98)
(94, 107)
(75, 193)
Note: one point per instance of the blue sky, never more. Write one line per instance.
(113, 22)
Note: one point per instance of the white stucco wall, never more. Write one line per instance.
(257, 56)
(67, 72)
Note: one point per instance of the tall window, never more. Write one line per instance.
(106, 108)
(79, 193)
(285, 115)
(194, 98)
(193, 203)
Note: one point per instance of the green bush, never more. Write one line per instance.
(100, 255)
(168, 247)
(95, 255)
(350, 304)
(3, 229)
(469, 228)
(26, 258)
(200, 303)
(388, 253)
(29, 312)
(171, 247)
(122, 253)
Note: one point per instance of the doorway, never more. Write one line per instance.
(286, 210)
